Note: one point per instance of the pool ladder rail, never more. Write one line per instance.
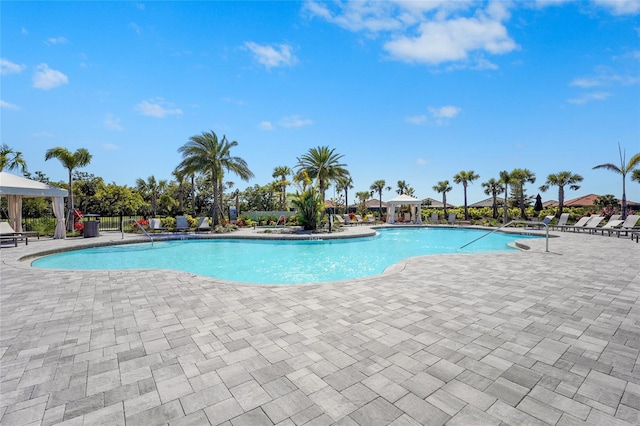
(526, 222)
(144, 231)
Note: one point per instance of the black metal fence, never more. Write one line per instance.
(107, 223)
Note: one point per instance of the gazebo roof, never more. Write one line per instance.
(16, 185)
(404, 199)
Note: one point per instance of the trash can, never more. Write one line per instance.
(91, 224)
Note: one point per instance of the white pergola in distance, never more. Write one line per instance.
(404, 200)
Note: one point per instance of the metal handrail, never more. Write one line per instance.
(144, 231)
(527, 222)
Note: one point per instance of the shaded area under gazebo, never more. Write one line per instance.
(15, 188)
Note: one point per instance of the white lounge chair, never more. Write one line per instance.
(592, 224)
(452, 219)
(579, 224)
(338, 219)
(434, 219)
(203, 225)
(611, 225)
(628, 225)
(562, 221)
(8, 234)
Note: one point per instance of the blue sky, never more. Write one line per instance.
(414, 91)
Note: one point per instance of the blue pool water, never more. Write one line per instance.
(282, 262)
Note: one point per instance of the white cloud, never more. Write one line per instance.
(451, 41)
(46, 78)
(432, 32)
(588, 97)
(445, 111)
(135, 27)
(295, 121)
(272, 56)
(266, 125)
(620, 7)
(421, 162)
(7, 105)
(439, 116)
(112, 122)
(110, 147)
(7, 67)
(42, 135)
(24, 31)
(55, 40)
(604, 76)
(157, 108)
(416, 119)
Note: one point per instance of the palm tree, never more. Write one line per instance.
(345, 183)
(204, 153)
(402, 187)
(562, 179)
(70, 161)
(623, 170)
(323, 164)
(282, 172)
(379, 186)
(465, 178)
(363, 196)
(15, 162)
(443, 187)
(520, 177)
(506, 180)
(493, 187)
(151, 190)
(636, 175)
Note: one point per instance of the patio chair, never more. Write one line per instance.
(359, 219)
(8, 234)
(434, 219)
(629, 225)
(203, 225)
(580, 223)
(452, 219)
(338, 219)
(370, 219)
(155, 225)
(181, 223)
(562, 221)
(611, 225)
(592, 224)
(347, 220)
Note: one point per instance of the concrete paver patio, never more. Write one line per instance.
(522, 337)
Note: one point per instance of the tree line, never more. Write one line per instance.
(201, 185)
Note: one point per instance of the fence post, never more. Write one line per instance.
(120, 222)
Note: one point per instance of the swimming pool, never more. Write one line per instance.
(282, 261)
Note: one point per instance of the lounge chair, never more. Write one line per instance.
(629, 225)
(370, 219)
(347, 220)
(580, 223)
(155, 224)
(434, 219)
(8, 234)
(203, 225)
(181, 223)
(452, 219)
(338, 219)
(611, 225)
(592, 224)
(562, 221)
(359, 219)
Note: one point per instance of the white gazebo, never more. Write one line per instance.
(15, 188)
(404, 199)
